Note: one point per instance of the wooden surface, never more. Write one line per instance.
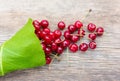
(102, 64)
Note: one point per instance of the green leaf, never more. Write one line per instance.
(22, 51)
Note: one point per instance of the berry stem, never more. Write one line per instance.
(90, 10)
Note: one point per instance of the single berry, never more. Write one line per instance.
(83, 47)
(92, 45)
(48, 39)
(44, 23)
(73, 47)
(48, 60)
(54, 46)
(78, 24)
(47, 30)
(81, 32)
(65, 43)
(52, 35)
(58, 40)
(57, 33)
(67, 35)
(99, 31)
(47, 51)
(91, 27)
(38, 33)
(92, 36)
(43, 46)
(36, 24)
(59, 50)
(72, 28)
(61, 25)
(74, 38)
(43, 34)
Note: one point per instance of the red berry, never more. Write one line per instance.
(47, 51)
(74, 38)
(57, 33)
(52, 35)
(83, 47)
(43, 46)
(47, 30)
(54, 46)
(92, 45)
(58, 40)
(44, 23)
(99, 31)
(81, 32)
(67, 35)
(36, 24)
(43, 34)
(65, 43)
(48, 60)
(72, 28)
(92, 36)
(38, 33)
(78, 24)
(91, 27)
(73, 47)
(60, 50)
(61, 25)
(48, 39)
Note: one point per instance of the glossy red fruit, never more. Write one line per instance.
(48, 40)
(91, 27)
(47, 51)
(36, 24)
(38, 33)
(72, 28)
(60, 50)
(78, 24)
(43, 34)
(73, 47)
(65, 43)
(44, 23)
(52, 35)
(58, 40)
(74, 38)
(67, 34)
(47, 30)
(57, 33)
(48, 60)
(92, 36)
(81, 32)
(61, 25)
(83, 47)
(54, 46)
(92, 45)
(100, 31)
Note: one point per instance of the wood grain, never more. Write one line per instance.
(101, 64)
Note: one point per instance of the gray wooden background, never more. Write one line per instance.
(102, 64)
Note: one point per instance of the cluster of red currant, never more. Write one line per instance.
(53, 42)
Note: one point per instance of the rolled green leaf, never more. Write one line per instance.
(22, 51)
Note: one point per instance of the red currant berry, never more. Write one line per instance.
(74, 38)
(92, 36)
(65, 43)
(91, 27)
(73, 47)
(43, 46)
(58, 40)
(43, 34)
(47, 30)
(83, 47)
(60, 50)
(81, 32)
(52, 35)
(92, 45)
(48, 40)
(48, 60)
(38, 33)
(44, 23)
(57, 33)
(67, 35)
(72, 28)
(36, 24)
(78, 24)
(99, 31)
(61, 25)
(54, 46)
(47, 51)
